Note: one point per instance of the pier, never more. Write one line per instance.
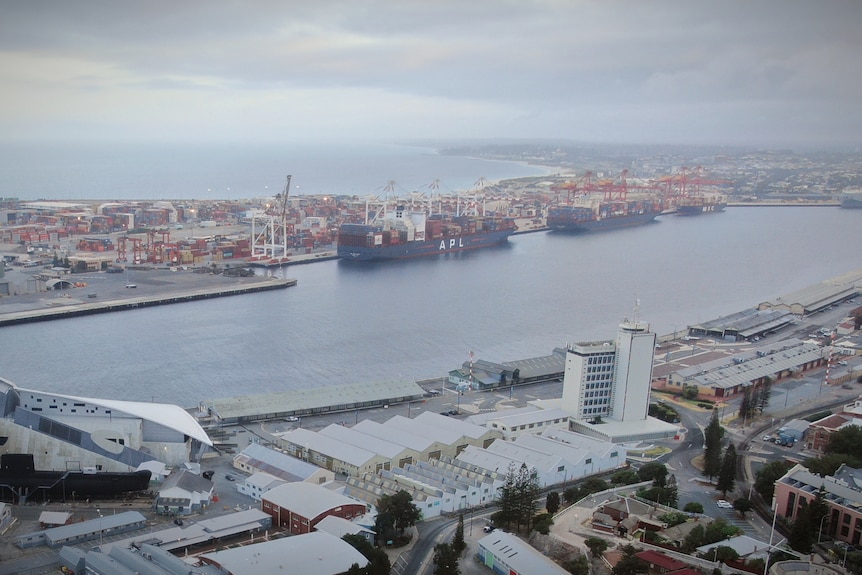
(149, 292)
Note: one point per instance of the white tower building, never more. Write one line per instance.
(610, 379)
(633, 375)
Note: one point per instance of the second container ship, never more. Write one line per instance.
(402, 234)
(606, 215)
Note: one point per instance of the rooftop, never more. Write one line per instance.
(518, 555)
(312, 399)
(315, 553)
(307, 499)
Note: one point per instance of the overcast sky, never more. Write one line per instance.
(774, 72)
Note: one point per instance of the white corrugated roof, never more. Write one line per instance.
(307, 499)
(519, 556)
(368, 442)
(332, 447)
(315, 553)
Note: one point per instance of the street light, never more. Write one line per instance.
(99, 511)
(820, 530)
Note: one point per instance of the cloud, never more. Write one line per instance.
(675, 71)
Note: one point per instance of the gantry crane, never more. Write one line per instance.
(271, 232)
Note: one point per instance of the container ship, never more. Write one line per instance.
(703, 204)
(402, 234)
(852, 199)
(20, 480)
(605, 215)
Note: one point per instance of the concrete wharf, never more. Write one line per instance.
(110, 294)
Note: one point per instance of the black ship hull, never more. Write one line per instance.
(19, 481)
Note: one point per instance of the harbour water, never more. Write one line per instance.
(351, 323)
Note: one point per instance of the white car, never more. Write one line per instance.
(292, 419)
(724, 504)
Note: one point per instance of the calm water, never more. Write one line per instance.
(212, 171)
(346, 323)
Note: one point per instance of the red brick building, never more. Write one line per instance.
(300, 506)
(819, 432)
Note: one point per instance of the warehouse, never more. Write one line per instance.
(316, 553)
(300, 506)
(330, 453)
(726, 377)
(369, 447)
(257, 458)
(504, 553)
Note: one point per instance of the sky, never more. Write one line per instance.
(778, 73)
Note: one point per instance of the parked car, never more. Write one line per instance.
(292, 419)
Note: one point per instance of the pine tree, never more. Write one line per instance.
(765, 392)
(445, 560)
(552, 502)
(508, 498)
(527, 491)
(712, 446)
(458, 543)
(727, 475)
(745, 405)
(672, 492)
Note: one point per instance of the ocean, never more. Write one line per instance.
(212, 171)
(347, 323)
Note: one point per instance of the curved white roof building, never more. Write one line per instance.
(65, 431)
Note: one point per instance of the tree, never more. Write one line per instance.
(508, 499)
(552, 502)
(577, 566)
(722, 554)
(694, 539)
(384, 527)
(378, 559)
(653, 471)
(829, 463)
(542, 523)
(800, 537)
(399, 510)
(712, 446)
(744, 404)
(517, 496)
(629, 564)
(693, 507)
(764, 482)
(727, 474)
(719, 530)
(742, 504)
(596, 545)
(458, 543)
(847, 440)
(625, 477)
(445, 560)
(527, 491)
(765, 392)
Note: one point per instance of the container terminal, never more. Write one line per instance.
(138, 288)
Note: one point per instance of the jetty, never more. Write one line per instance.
(152, 289)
